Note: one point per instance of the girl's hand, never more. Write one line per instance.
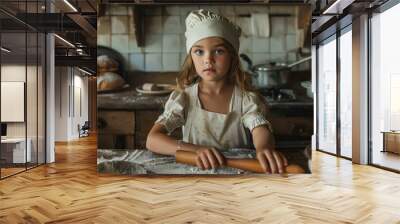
(209, 157)
(272, 161)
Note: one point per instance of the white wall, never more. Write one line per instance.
(81, 82)
(61, 103)
(70, 83)
(13, 72)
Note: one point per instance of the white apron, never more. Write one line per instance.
(222, 131)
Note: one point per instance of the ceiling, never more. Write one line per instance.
(39, 6)
(72, 20)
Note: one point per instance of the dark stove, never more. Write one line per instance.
(278, 94)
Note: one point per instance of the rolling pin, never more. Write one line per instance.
(252, 165)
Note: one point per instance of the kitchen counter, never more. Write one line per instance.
(139, 162)
(132, 100)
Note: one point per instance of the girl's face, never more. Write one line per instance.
(211, 59)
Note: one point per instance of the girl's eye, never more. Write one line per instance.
(198, 52)
(219, 51)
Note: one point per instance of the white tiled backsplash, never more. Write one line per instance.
(164, 48)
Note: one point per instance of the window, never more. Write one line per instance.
(346, 92)
(327, 96)
(385, 84)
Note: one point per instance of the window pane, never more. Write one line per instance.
(327, 96)
(345, 94)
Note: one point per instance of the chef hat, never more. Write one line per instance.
(202, 23)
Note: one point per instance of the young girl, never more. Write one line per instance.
(214, 103)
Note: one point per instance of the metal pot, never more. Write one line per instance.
(270, 75)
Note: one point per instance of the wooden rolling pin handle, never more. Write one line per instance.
(252, 165)
(245, 164)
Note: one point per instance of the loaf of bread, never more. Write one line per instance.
(106, 64)
(109, 81)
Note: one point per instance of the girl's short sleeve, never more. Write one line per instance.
(174, 111)
(254, 112)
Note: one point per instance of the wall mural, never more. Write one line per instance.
(204, 89)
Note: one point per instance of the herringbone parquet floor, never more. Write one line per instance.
(71, 191)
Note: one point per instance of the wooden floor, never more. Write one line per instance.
(10, 171)
(71, 191)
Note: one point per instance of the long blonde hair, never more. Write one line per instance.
(236, 75)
